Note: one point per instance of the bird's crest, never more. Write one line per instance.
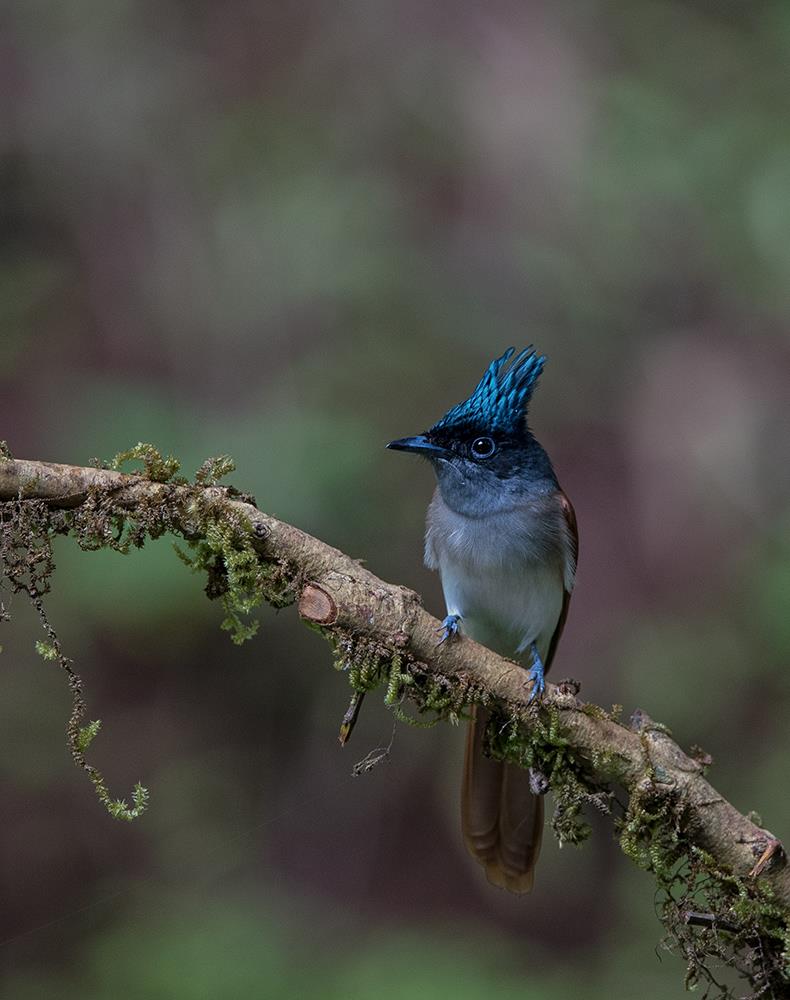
(500, 401)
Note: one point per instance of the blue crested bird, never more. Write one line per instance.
(503, 537)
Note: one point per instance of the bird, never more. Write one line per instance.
(503, 537)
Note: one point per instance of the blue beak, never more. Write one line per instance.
(419, 444)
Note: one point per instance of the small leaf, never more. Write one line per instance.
(87, 734)
(214, 469)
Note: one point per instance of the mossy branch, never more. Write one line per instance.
(675, 824)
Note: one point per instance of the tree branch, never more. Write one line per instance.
(356, 610)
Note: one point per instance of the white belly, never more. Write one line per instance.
(506, 574)
(505, 607)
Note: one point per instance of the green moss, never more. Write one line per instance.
(26, 530)
(366, 661)
(371, 664)
(234, 574)
(535, 740)
(155, 467)
(46, 650)
(214, 469)
(87, 734)
(221, 543)
(747, 931)
(743, 929)
(119, 809)
(650, 832)
(596, 712)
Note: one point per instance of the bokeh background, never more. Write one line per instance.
(292, 232)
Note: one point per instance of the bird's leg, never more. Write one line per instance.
(535, 674)
(449, 628)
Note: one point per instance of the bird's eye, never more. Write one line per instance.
(483, 447)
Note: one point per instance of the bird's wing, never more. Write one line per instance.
(569, 517)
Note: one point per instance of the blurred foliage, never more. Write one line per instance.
(292, 233)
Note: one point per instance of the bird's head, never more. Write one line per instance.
(482, 450)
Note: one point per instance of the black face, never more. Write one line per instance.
(481, 471)
(501, 456)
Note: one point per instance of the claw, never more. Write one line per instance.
(449, 628)
(535, 674)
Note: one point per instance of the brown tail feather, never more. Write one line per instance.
(502, 821)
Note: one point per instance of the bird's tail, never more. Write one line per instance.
(501, 819)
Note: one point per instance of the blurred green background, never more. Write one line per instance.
(293, 232)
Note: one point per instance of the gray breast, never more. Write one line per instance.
(505, 573)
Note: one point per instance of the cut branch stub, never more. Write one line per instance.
(316, 605)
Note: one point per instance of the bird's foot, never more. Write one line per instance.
(535, 674)
(449, 628)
